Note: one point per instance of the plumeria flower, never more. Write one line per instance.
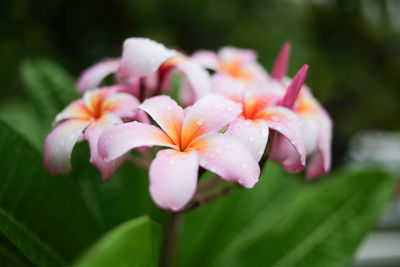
(315, 121)
(236, 69)
(262, 109)
(145, 69)
(86, 118)
(193, 138)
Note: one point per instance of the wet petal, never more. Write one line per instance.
(227, 157)
(142, 57)
(92, 134)
(75, 110)
(166, 113)
(209, 114)
(253, 134)
(92, 77)
(320, 162)
(289, 146)
(117, 140)
(173, 178)
(59, 144)
(121, 104)
(281, 63)
(294, 88)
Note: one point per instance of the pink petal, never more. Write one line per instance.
(294, 88)
(121, 104)
(197, 79)
(281, 63)
(118, 139)
(289, 146)
(92, 134)
(59, 144)
(173, 178)
(209, 114)
(244, 56)
(92, 77)
(320, 162)
(222, 83)
(253, 134)
(142, 57)
(227, 157)
(207, 59)
(167, 114)
(75, 110)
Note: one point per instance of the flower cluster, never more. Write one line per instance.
(232, 120)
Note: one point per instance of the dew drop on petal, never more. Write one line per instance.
(200, 121)
(264, 133)
(203, 162)
(229, 146)
(169, 108)
(251, 138)
(244, 165)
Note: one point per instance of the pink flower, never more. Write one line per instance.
(236, 69)
(145, 68)
(87, 118)
(316, 125)
(194, 139)
(262, 110)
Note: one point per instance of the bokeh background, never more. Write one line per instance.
(352, 47)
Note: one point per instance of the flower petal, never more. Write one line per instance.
(253, 134)
(94, 75)
(92, 134)
(294, 88)
(121, 104)
(289, 146)
(75, 110)
(227, 157)
(281, 63)
(197, 79)
(207, 59)
(320, 162)
(210, 114)
(59, 144)
(142, 57)
(117, 140)
(166, 113)
(244, 56)
(173, 178)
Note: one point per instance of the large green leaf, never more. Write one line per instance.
(49, 87)
(10, 256)
(43, 216)
(285, 221)
(134, 243)
(123, 197)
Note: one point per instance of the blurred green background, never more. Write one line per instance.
(352, 46)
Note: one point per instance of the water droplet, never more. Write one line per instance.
(200, 121)
(240, 181)
(213, 169)
(261, 152)
(251, 138)
(247, 123)
(244, 165)
(169, 108)
(203, 162)
(71, 137)
(229, 146)
(171, 162)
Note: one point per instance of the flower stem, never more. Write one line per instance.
(169, 249)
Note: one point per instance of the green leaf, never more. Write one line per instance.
(49, 87)
(286, 221)
(10, 256)
(134, 243)
(43, 216)
(123, 197)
